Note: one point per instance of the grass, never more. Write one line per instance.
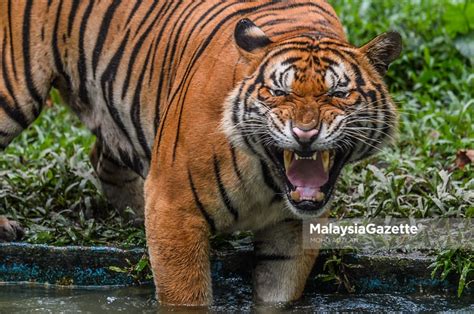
(47, 184)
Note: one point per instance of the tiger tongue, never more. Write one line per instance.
(307, 175)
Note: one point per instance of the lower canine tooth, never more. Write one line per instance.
(295, 195)
(287, 156)
(325, 157)
(319, 196)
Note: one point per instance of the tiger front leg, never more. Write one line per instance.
(282, 265)
(178, 246)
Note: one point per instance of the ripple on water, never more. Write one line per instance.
(228, 298)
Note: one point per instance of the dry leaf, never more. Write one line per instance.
(49, 103)
(464, 157)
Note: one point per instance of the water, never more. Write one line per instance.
(26, 299)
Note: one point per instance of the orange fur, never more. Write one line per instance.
(156, 82)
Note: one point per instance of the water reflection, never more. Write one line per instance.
(21, 299)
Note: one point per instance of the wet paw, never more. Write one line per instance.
(10, 230)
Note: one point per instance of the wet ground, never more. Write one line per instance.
(27, 299)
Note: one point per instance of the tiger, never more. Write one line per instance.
(209, 116)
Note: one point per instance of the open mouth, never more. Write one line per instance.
(310, 176)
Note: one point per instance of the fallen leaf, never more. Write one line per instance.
(464, 157)
(49, 103)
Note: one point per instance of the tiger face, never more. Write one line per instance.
(311, 105)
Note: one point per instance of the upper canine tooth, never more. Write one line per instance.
(325, 157)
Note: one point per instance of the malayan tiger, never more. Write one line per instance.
(213, 116)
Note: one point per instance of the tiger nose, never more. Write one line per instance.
(303, 135)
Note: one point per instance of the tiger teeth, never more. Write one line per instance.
(313, 157)
(325, 157)
(319, 196)
(295, 196)
(287, 157)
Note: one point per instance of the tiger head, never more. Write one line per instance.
(309, 105)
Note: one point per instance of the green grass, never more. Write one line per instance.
(46, 181)
(47, 184)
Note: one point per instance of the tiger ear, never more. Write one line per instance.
(383, 50)
(249, 37)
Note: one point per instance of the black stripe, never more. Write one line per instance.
(135, 110)
(107, 81)
(178, 129)
(147, 14)
(56, 54)
(16, 113)
(28, 75)
(234, 163)
(237, 122)
(358, 74)
(13, 113)
(199, 205)
(275, 22)
(177, 39)
(117, 183)
(102, 35)
(72, 16)
(272, 257)
(133, 163)
(152, 68)
(12, 52)
(222, 191)
(267, 178)
(81, 65)
(201, 20)
(134, 10)
(160, 82)
(136, 52)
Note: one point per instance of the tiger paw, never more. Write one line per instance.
(10, 230)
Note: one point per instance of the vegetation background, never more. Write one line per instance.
(47, 182)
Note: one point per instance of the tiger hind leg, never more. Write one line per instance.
(122, 186)
(23, 91)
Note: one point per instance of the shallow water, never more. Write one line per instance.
(26, 299)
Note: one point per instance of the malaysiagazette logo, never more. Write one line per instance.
(370, 228)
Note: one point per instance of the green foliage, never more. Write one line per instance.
(334, 271)
(47, 184)
(458, 17)
(139, 272)
(455, 261)
(459, 22)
